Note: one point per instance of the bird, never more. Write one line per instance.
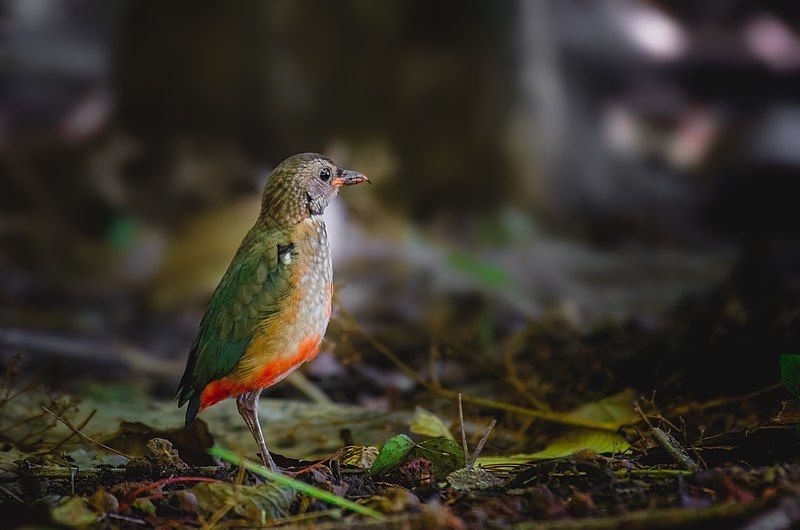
(270, 311)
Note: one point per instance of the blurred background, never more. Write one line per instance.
(554, 182)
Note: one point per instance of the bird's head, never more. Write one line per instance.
(302, 186)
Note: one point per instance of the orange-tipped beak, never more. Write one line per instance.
(349, 178)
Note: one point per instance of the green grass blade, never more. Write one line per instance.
(296, 485)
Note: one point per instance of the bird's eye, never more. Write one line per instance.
(325, 174)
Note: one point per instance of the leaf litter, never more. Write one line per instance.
(581, 440)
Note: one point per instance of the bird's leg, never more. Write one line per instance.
(247, 404)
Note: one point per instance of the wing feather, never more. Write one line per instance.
(249, 293)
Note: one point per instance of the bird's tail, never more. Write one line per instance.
(192, 408)
(186, 392)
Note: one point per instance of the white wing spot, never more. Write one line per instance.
(287, 258)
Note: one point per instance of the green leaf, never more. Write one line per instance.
(443, 453)
(74, 513)
(428, 424)
(790, 372)
(392, 454)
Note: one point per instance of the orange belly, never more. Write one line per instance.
(266, 376)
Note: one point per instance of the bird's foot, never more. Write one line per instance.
(270, 464)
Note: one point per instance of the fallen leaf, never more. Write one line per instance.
(74, 513)
(599, 442)
(616, 409)
(445, 455)
(192, 443)
(392, 454)
(428, 424)
(394, 499)
(359, 456)
(256, 503)
(305, 430)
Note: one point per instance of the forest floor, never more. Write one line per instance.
(690, 424)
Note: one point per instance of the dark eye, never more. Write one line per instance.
(325, 174)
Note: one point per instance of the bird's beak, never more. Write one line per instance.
(348, 178)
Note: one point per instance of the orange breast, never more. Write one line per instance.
(266, 376)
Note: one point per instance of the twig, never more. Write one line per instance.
(433, 357)
(719, 402)
(479, 448)
(58, 472)
(656, 472)
(131, 497)
(334, 512)
(11, 494)
(127, 519)
(519, 386)
(72, 472)
(33, 432)
(221, 512)
(11, 397)
(673, 448)
(622, 473)
(312, 391)
(79, 433)
(83, 424)
(461, 423)
(638, 409)
(240, 473)
(22, 422)
(553, 417)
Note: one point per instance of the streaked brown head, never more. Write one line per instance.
(303, 185)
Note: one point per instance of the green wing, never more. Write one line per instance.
(248, 294)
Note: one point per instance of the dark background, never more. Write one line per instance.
(623, 165)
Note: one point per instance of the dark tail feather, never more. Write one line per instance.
(185, 389)
(192, 409)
